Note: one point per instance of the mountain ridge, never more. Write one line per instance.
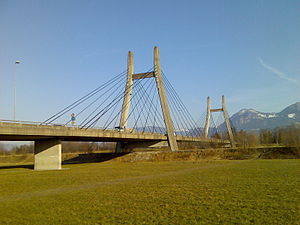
(251, 119)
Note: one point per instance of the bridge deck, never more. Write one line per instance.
(32, 132)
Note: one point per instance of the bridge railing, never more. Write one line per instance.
(20, 122)
(40, 124)
(36, 123)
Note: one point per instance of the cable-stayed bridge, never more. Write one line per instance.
(148, 112)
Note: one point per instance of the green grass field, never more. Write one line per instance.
(203, 192)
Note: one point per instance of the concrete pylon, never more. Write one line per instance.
(226, 118)
(207, 120)
(127, 98)
(128, 92)
(47, 154)
(162, 96)
(164, 102)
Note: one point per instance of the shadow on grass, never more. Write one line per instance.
(81, 158)
(93, 157)
(31, 166)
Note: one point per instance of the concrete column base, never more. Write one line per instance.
(47, 154)
(119, 147)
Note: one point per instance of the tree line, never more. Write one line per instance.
(67, 147)
(286, 136)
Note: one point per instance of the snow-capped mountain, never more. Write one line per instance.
(250, 119)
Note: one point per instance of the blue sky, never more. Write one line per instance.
(247, 50)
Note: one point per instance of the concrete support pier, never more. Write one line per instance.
(47, 154)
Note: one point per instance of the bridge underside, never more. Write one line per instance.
(48, 140)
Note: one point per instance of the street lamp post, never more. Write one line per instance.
(15, 88)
